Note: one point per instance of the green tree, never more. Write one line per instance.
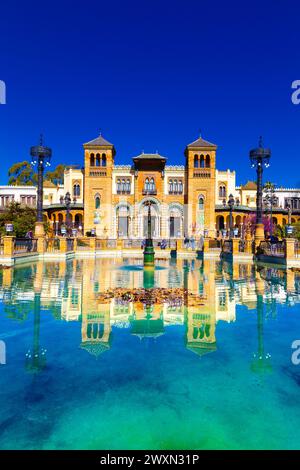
(22, 174)
(57, 175)
(23, 219)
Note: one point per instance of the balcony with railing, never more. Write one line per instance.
(149, 192)
(123, 191)
(175, 192)
(24, 246)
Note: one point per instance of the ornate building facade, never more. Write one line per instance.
(182, 197)
(187, 200)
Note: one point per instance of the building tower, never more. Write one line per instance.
(200, 177)
(98, 162)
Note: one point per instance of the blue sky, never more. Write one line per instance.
(150, 75)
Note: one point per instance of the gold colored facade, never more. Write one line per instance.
(187, 200)
(182, 197)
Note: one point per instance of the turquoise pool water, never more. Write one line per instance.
(86, 370)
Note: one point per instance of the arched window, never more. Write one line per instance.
(98, 159)
(118, 185)
(92, 159)
(103, 161)
(152, 185)
(202, 161)
(222, 191)
(97, 201)
(147, 185)
(128, 185)
(207, 161)
(201, 202)
(180, 187)
(123, 186)
(196, 161)
(76, 190)
(175, 186)
(170, 186)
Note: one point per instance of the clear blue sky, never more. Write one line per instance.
(150, 74)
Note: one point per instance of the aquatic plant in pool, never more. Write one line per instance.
(196, 355)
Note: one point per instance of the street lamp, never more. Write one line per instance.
(67, 201)
(40, 156)
(259, 158)
(149, 250)
(149, 204)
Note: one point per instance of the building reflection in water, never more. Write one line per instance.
(73, 291)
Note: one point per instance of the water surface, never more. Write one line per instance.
(87, 372)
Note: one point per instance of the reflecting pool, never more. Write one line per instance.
(100, 354)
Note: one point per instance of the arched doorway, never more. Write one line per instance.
(78, 220)
(220, 222)
(123, 220)
(59, 223)
(175, 220)
(155, 218)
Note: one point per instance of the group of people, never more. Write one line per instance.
(189, 242)
(163, 244)
(271, 238)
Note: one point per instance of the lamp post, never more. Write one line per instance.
(40, 156)
(259, 158)
(67, 201)
(149, 250)
(148, 204)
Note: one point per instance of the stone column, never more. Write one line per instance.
(289, 249)
(179, 244)
(164, 221)
(235, 246)
(40, 245)
(93, 243)
(248, 247)
(8, 246)
(75, 244)
(63, 245)
(135, 231)
(206, 245)
(259, 234)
